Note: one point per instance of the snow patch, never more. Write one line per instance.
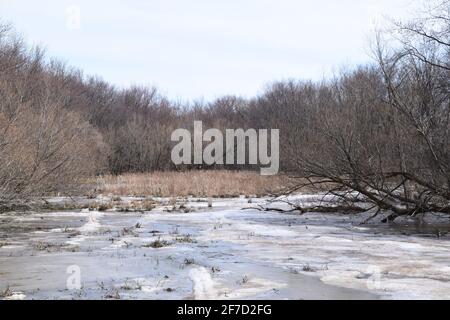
(203, 284)
(92, 224)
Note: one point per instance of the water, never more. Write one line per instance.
(219, 253)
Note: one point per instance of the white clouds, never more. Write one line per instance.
(203, 47)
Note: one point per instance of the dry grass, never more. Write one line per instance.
(192, 183)
(157, 244)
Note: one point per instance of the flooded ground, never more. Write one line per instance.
(223, 252)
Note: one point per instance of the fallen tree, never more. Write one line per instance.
(381, 134)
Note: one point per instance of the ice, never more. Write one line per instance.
(92, 224)
(223, 252)
(16, 296)
(203, 284)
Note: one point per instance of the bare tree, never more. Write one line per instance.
(382, 135)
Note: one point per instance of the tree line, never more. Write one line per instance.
(379, 133)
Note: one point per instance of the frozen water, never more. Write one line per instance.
(222, 252)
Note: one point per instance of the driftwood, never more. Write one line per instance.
(319, 209)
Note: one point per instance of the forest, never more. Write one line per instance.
(376, 133)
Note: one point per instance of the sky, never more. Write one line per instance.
(196, 49)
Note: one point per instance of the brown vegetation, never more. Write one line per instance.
(379, 133)
(212, 183)
(45, 146)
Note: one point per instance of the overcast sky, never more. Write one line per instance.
(203, 48)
